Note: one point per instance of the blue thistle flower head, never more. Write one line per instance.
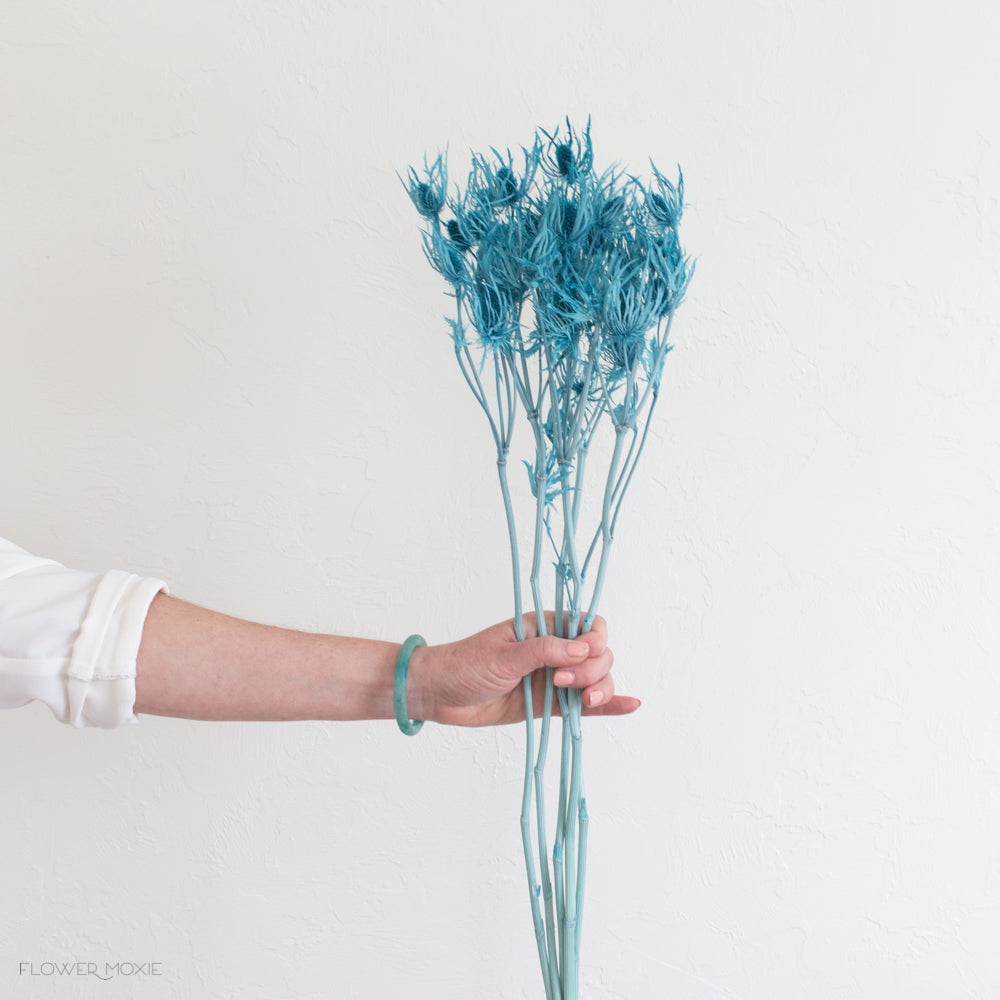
(459, 235)
(567, 217)
(632, 306)
(665, 204)
(502, 258)
(428, 191)
(495, 184)
(561, 321)
(491, 314)
(446, 257)
(611, 210)
(568, 156)
(506, 188)
(472, 221)
(671, 269)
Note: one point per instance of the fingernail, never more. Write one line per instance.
(563, 678)
(577, 648)
(596, 697)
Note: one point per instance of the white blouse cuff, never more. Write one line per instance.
(100, 685)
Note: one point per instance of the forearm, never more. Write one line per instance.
(199, 664)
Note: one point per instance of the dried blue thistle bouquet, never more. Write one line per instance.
(565, 283)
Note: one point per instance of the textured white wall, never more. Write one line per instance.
(223, 364)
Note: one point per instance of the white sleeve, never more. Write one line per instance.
(69, 638)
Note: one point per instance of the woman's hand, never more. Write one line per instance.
(478, 681)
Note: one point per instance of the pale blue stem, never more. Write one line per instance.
(477, 390)
(607, 533)
(550, 924)
(625, 466)
(557, 849)
(572, 768)
(576, 430)
(558, 865)
(609, 519)
(662, 347)
(522, 389)
(514, 556)
(635, 461)
(503, 428)
(552, 988)
(529, 861)
(581, 883)
(567, 854)
(543, 743)
(541, 488)
(581, 462)
(576, 810)
(571, 955)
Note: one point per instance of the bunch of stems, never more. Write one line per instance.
(570, 281)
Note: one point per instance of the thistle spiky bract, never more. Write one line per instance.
(565, 284)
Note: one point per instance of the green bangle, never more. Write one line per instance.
(408, 726)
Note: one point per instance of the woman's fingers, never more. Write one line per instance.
(606, 703)
(586, 658)
(596, 638)
(619, 705)
(587, 673)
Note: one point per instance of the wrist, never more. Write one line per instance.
(419, 688)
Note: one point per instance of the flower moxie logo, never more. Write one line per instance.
(99, 970)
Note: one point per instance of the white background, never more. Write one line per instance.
(224, 364)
